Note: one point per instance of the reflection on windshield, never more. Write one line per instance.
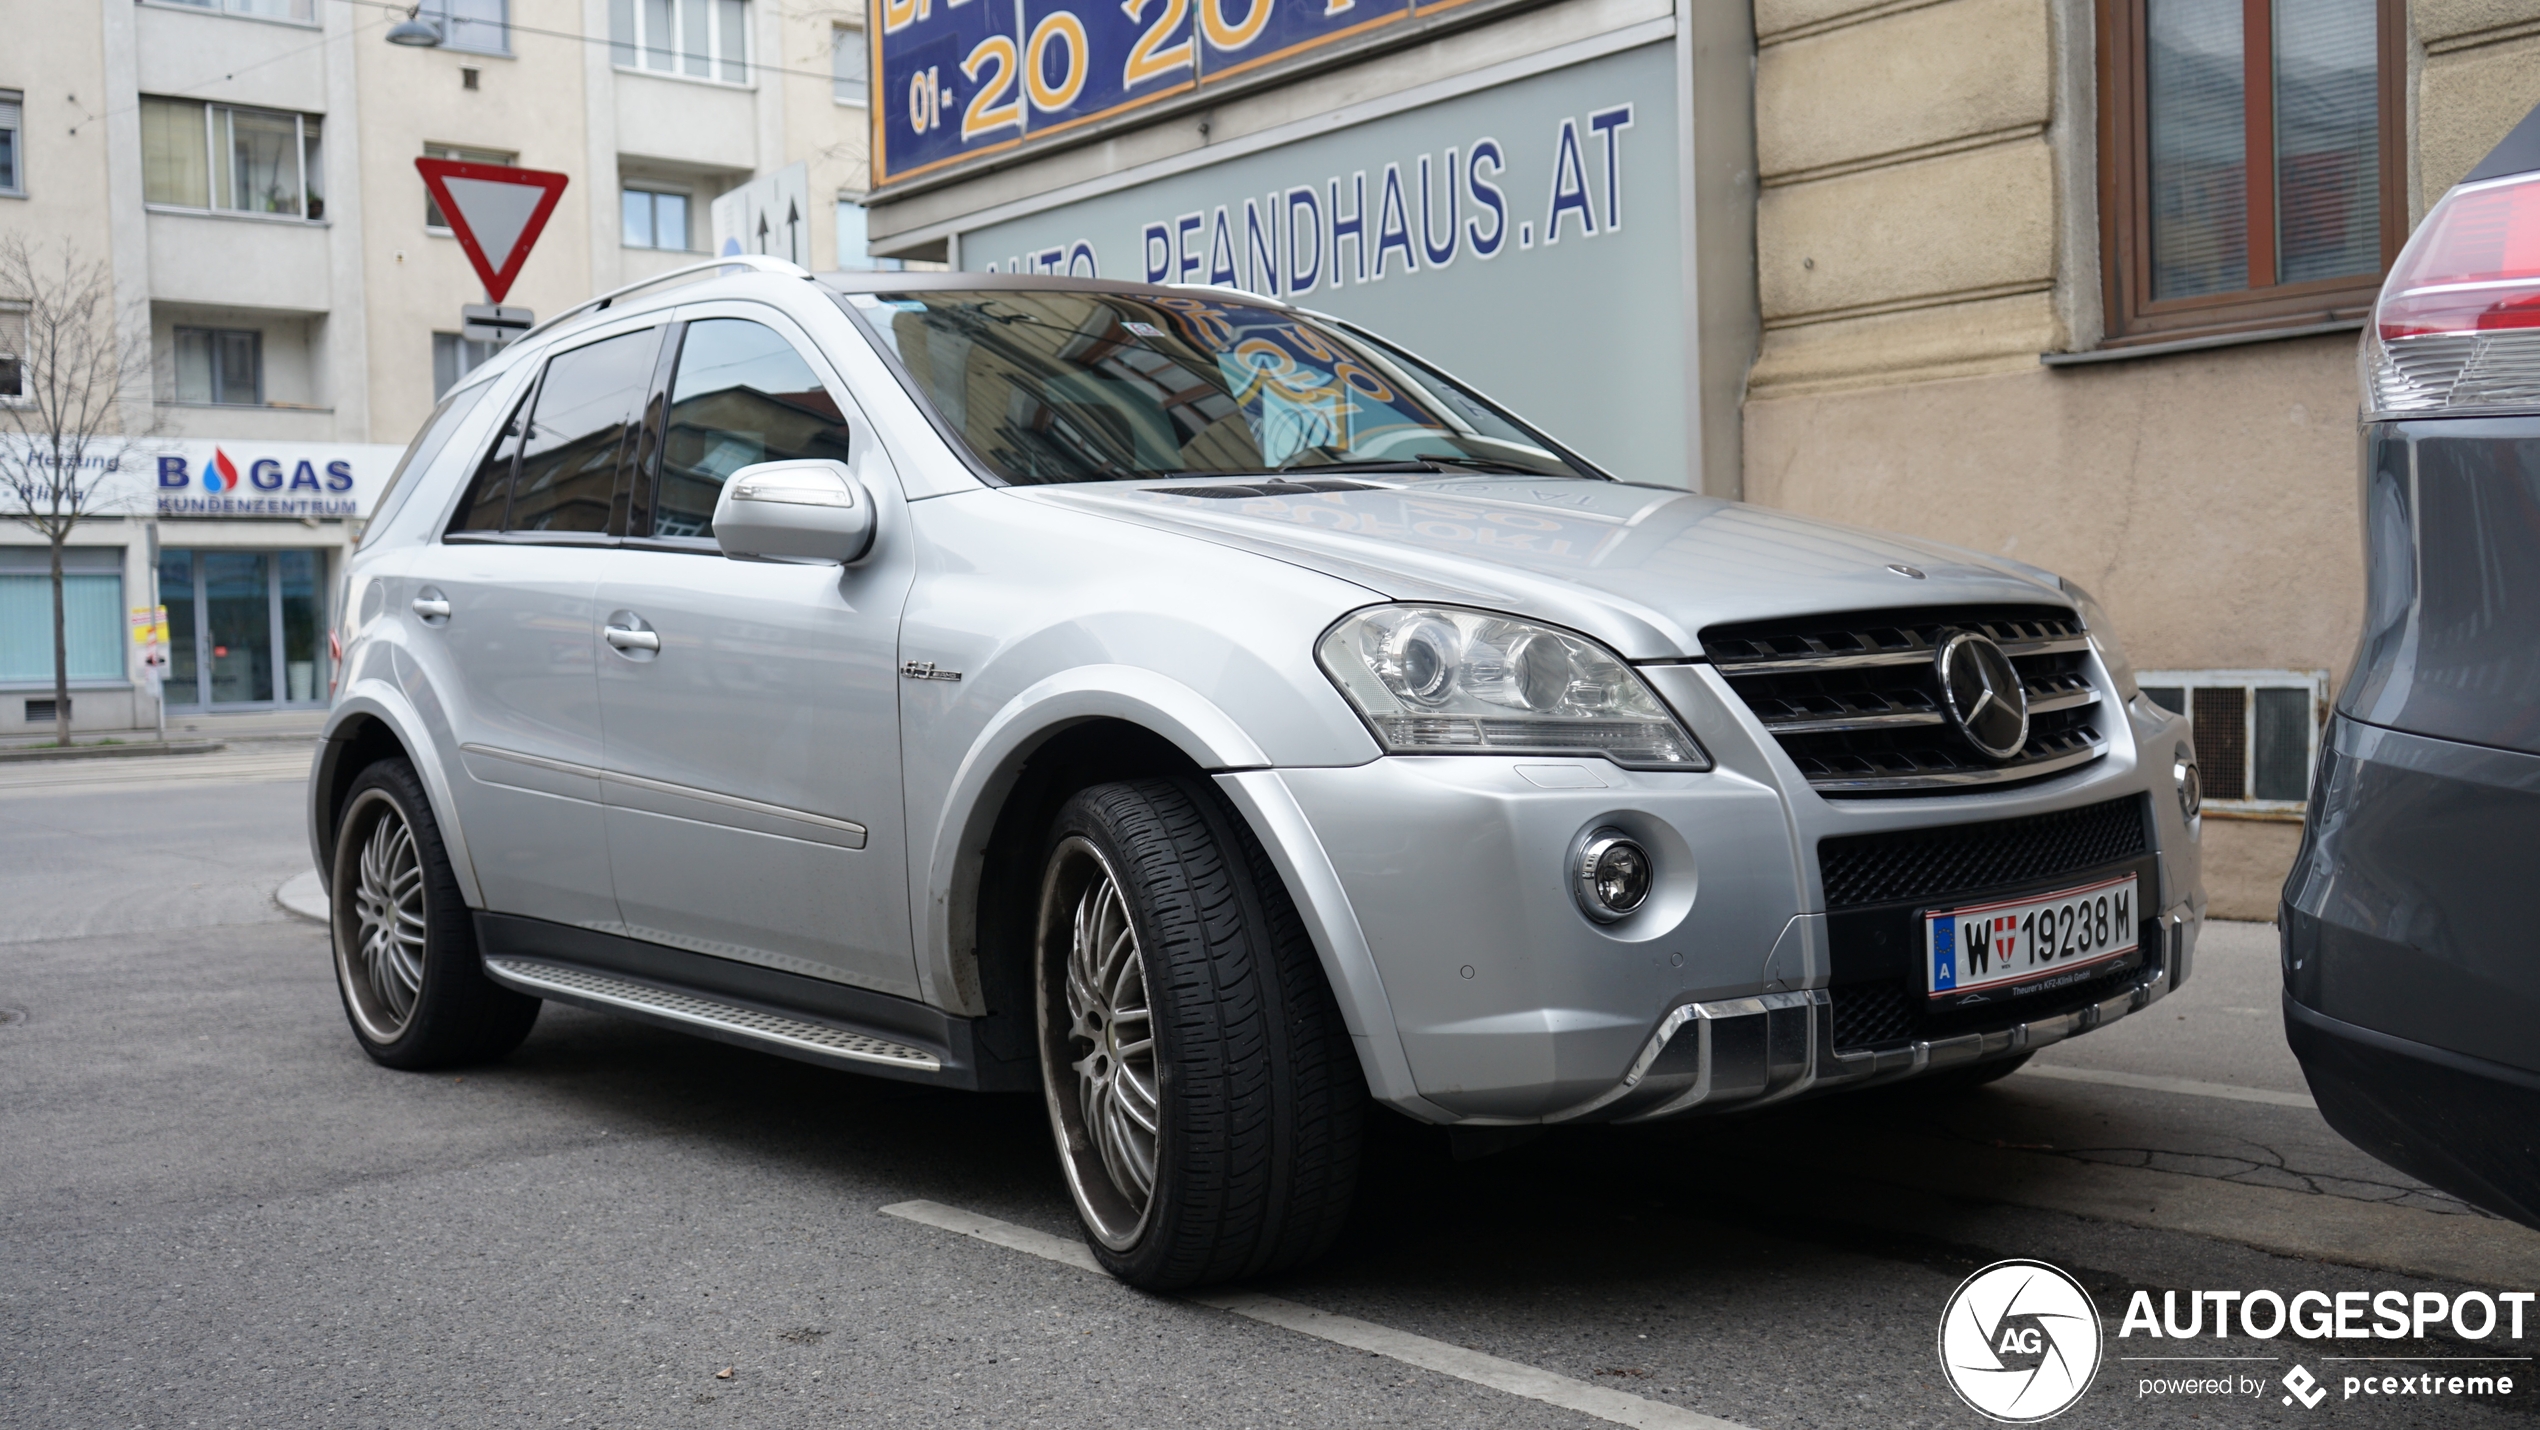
(1060, 386)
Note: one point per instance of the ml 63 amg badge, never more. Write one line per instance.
(2019, 1341)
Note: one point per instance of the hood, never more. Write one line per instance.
(1642, 568)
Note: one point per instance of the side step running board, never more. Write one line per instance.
(732, 1022)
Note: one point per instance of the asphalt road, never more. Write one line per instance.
(214, 1211)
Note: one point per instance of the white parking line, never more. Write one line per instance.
(1508, 1376)
(2147, 1082)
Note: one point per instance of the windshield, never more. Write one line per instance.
(1061, 386)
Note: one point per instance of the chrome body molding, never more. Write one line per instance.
(1738, 1053)
(737, 1022)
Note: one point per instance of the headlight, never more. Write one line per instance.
(1435, 680)
(2191, 785)
(2103, 634)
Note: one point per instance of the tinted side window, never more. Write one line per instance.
(590, 400)
(489, 492)
(742, 395)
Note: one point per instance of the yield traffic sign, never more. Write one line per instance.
(496, 211)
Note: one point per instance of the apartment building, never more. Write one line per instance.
(247, 166)
(2074, 281)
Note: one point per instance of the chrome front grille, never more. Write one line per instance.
(1854, 699)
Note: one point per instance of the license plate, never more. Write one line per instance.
(2017, 940)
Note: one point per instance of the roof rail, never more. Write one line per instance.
(757, 262)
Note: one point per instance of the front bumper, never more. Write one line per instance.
(1746, 1052)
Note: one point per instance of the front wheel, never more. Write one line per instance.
(1203, 1090)
(405, 949)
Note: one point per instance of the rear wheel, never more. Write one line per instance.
(405, 949)
(1203, 1091)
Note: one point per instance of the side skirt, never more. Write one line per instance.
(812, 1019)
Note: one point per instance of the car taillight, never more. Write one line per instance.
(2458, 322)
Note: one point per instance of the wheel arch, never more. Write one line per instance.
(363, 729)
(982, 886)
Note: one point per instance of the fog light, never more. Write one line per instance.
(2191, 786)
(1611, 875)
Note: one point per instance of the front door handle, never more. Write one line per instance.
(624, 639)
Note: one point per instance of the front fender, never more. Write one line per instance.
(374, 697)
(957, 843)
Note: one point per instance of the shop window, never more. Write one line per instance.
(454, 357)
(2256, 731)
(850, 65)
(12, 142)
(432, 218)
(481, 26)
(220, 365)
(653, 218)
(92, 615)
(226, 159)
(702, 39)
(245, 628)
(2251, 161)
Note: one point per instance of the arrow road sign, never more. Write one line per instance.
(495, 210)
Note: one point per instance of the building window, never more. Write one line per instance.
(849, 65)
(304, 11)
(12, 142)
(220, 365)
(2251, 161)
(653, 218)
(481, 26)
(226, 159)
(92, 614)
(12, 355)
(432, 217)
(2257, 732)
(851, 235)
(454, 357)
(703, 39)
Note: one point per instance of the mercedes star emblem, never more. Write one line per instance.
(1983, 693)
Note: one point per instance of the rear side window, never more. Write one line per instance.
(489, 492)
(741, 395)
(588, 406)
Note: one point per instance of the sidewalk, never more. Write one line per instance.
(188, 727)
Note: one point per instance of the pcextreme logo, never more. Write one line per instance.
(2019, 1341)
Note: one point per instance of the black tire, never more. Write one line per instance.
(421, 1000)
(1256, 1092)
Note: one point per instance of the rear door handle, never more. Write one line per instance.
(432, 608)
(625, 639)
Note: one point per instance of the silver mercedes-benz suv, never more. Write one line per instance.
(1213, 716)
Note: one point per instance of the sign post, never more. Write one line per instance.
(496, 212)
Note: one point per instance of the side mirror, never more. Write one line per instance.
(810, 509)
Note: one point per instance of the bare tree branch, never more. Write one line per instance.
(69, 432)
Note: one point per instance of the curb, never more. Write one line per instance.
(304, 896)
(108, 752)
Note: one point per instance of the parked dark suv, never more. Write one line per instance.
(2411, 958)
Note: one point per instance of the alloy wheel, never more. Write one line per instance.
(380, 938)
(1098, 1057)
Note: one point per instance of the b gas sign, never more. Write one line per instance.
(270, 479)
